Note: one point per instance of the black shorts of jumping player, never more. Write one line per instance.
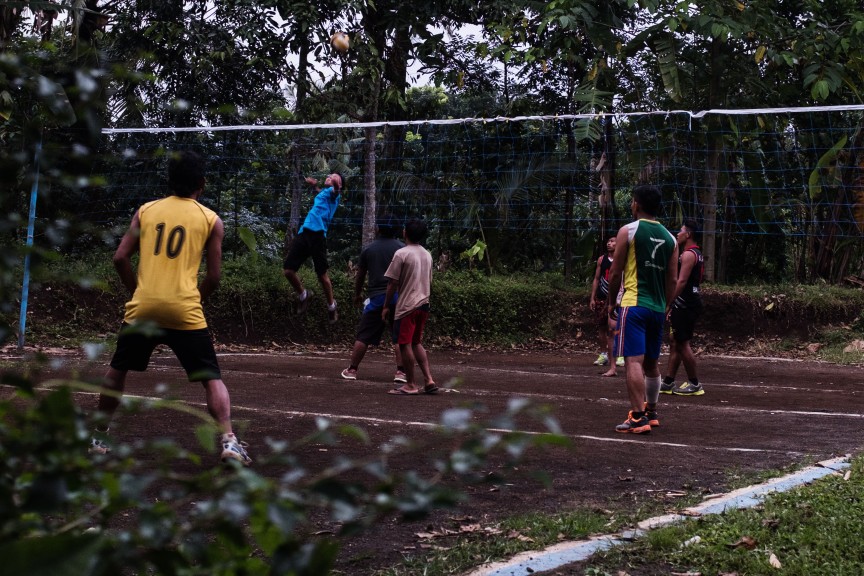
(371, 328)
(193, 348)
(683, 322)
(308, 243)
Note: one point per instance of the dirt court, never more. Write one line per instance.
(756, 414)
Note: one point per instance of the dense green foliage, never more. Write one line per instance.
(254, 304)
(777, 193)
(155, 508)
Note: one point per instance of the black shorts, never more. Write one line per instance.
(371, 328)
(682, 321)
(306, 244)
(193, 348)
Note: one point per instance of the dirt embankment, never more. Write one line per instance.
(59, 313)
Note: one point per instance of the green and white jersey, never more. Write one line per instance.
(648, 250)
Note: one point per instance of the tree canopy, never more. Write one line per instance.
(70, 69)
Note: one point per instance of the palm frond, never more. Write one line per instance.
(664, 49)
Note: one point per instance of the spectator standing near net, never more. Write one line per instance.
(374, 261)
(311, 240)
(646, 263)
(171, 235)
(683, 311)
(410, 275)
(605, 325)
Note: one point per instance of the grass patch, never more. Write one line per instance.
(472, 545)
(809, 530)
(834, 341)
(820, 295)
(737, 478)
(659, 552)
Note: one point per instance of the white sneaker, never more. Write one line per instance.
(98, 447)
(233, 449)
(400, 376)
(601, 360)
(349, 374)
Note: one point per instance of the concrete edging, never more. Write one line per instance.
(565, 553)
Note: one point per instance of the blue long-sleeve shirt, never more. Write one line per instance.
(321, 214)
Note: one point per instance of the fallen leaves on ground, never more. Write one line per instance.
(744, 542)
(774, 561)
(854, 346)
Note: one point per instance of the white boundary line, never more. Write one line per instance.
(431, 425)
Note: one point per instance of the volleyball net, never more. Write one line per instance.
(772, 186)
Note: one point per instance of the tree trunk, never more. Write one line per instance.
(728, 213)
(294, 189)
(568, 224)
(716, 96)
(376, 34)
(396, 75)
(370, 200)
(709, 203)
(302, 82)
(607, 186)
(568, 207)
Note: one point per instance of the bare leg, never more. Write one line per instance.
(688, 359)
(327, 286)
(635, 376)
(115, 381)
(650, 368)
(674, 359)
(219, 404)
(423, 362)
(358, 352)
(109, 401)
(408, 363)
(294, 280)
(397, 352)
(603, 337)
(610, 348)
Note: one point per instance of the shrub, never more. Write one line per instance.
(63, 512)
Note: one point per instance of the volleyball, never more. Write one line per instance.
(340, 41)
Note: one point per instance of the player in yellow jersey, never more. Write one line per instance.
(646, 263)
(171, 235)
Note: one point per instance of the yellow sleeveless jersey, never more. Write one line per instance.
(174, 231)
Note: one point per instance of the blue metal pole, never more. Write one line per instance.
(31, 223)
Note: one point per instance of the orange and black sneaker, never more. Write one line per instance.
(651, 415)
(634, 426)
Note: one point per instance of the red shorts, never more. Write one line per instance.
(410, 327)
